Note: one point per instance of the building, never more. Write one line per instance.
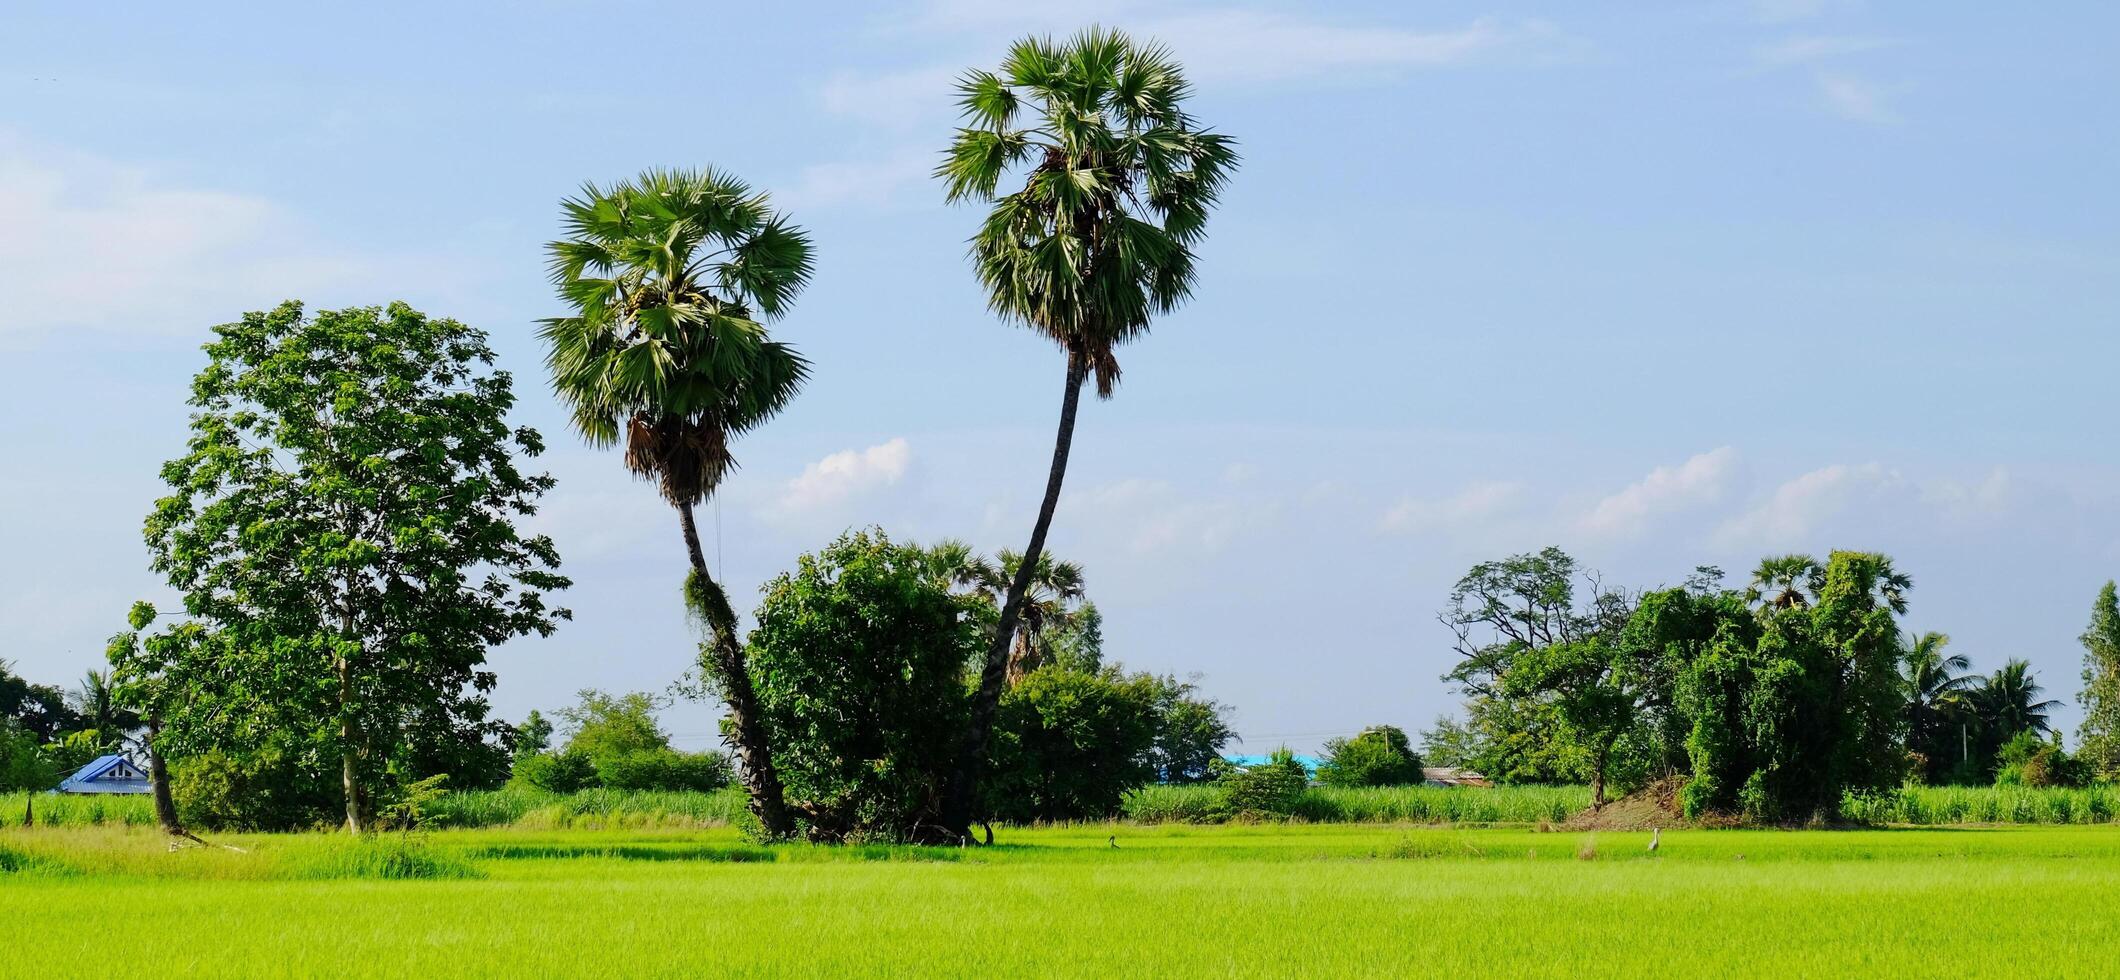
(109, 774)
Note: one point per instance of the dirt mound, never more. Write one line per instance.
(1652, 806)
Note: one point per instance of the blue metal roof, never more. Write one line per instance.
(95, 778)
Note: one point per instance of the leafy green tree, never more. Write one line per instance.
(1271, 788)
(39, 709)
(342, 530)
(669, 276)
(533, 736)
(1380, 755)
(1937, 698)
(2098, 738)
(1069, 744)
(1596, 692)
(858, 659)
(23, 766)
(1190, 729)
(1112, 184)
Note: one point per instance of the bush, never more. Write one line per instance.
(858, 660)
(2025, 760)
(555, 772)
(1269, 789)
(663, 770)
(261, 791)
(1069, 744)
(1379, 756)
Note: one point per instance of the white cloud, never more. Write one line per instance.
(1807, 50)
(88, 243)
(1476, 502)
(1699, 480)
(1961, 500)
(1855, 98)
(1150, 516)
(1264, 46)
(1802, 505)
(843, 475)
(870, 181)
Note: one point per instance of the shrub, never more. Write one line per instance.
(663, 770)
(1379, 756)
(555, 772)
(1272, 788)
(1068, 744)
(2026, 760)
(858, 660)
(259, 791)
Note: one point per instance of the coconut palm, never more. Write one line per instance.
(669, 276)
(2009, 702)
(1112, 182)
(97, 704)
(1937, 687)
(1786, 581)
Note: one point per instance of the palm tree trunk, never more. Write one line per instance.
(158, 782)
(753, 749)
(971, 761)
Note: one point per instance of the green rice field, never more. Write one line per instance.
(1167, 900)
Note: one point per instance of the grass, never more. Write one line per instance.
(1171, 900)
(1380, 804)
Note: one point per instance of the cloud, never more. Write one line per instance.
(1476, 502)
(1962, 500)
(1263, 46)
(92, 244)
(1808, 50)
(872, 181)
(1699, 480)
(1151, 516)
(1854, 98)
(844, 475)
(1802, 505)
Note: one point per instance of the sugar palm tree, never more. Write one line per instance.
(669, 276)
(1111, 184)
(1786, 581)
(1054, 593)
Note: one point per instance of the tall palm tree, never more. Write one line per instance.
(1937, 687)
(669, 276)
(2009, 702)
(1786, 581)
(96, 702)
(1113, 185)
(1054, 593)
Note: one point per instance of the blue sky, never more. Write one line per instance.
(1662, 284)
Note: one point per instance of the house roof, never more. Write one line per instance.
(98, 777)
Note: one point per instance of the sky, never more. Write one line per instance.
(1662, 284)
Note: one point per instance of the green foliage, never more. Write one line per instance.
(858, 660)
(42, 710)
(342, 529)
(2028, 760)
(2099, 736)
(602, 725)
(1270, 789)
(1379, 756)
(663, 770)
(23, 765)
(1371, 804)
(258, 790)
(533, 736)
(1069, 744)
(555, 772)
(1190, 731)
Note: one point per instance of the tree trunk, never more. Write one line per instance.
(158, 782)
(754, 754)
(349, 766)
(971, 761)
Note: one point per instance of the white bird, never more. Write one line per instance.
(1656, 837)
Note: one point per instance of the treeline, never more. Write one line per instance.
(1772, 702)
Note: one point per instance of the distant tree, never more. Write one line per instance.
(2028, 760)
(1937, 698)
(23, 766)
(858, 659)
(669, 276)
(1786, 581)
(602, 724)
(1078, 641)
(343, 531)
(2008, 702)
(533, 736)
(1380, 755)
(39, 709)
(2099, 736)
(1117, 180)
(1597, 691)
(1190, 730)
(97, 705)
